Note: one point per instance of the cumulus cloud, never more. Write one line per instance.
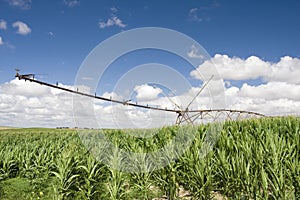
(112, 95)
(265, 99)
(286, 70)
(3, 24)
(29, 104)
(22, 4)
(71, 3)
(271, 91)
(23, 29)
(234, 68)
(194, 16)
(146, 92)
(200, 14)
(277, 94)
(194, 53)
(112, 21)
(1, 41)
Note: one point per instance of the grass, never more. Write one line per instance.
(252, 159)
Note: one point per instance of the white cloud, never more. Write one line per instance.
(112, 21)
(199, 14)
(23, 29)
(3, 24)
(286, 70)
(22, 4)
(270, 99)
(146, 92)
(114, 9)
(19, 87)
(193, 15)
(71, 3)
(51, 33)
(271, 91)
(279, 94)
(29, 104)
(112, 95)
(1, 41)
(194, 53)
(234, 68)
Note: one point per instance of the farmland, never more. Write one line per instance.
(252, 159)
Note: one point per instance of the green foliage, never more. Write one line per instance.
(252, 159)
(14, 188)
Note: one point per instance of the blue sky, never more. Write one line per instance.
(53, 38)
(62, 35)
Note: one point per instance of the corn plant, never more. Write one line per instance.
(252, 159)
(67, 176)
(92, 175)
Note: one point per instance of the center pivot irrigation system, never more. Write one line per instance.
(184, 115)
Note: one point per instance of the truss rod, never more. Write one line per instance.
(229, 110)
(182, 114)
(28, 78)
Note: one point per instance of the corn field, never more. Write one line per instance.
(252, 159)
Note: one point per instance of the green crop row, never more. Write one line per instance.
(251, 159)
